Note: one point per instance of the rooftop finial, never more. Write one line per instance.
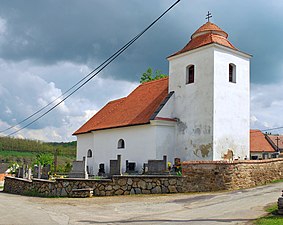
(208, 16)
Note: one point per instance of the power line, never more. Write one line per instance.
(269, 129)
(102, 66)
(113, 55)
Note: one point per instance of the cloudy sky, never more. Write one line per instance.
(46, 46)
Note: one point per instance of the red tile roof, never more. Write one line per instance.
(209, 27)
(135, 109)
(280, 141)
(206, 34)
(258, 142)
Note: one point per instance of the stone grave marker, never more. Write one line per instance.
(20, 172)
(157, 166)
(131, 167)
(36, 172)
(79, 169)
(101, 170)
(45, 172)
(115, 166)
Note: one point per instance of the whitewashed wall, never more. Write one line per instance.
(84, 143)
(142, 143)
(231, 128)
(213, 113)
(193, 103)
(165, 139)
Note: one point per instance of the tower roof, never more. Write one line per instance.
(208, 33)
(209, 28)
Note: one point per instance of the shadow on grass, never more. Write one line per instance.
(272, 218)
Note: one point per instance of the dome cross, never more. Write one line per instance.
(208, 16)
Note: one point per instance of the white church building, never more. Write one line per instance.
(199, 112)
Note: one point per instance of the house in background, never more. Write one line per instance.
(260, 146)
(276, 141)
(199, 113)
(3, 168)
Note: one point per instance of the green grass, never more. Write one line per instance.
(17, 154)
(277, 181)
(272, 218)
(29, 158)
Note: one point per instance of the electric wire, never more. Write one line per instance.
(67, 91)
(102, 66)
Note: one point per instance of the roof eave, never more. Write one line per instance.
(108, 128)
(177, 55)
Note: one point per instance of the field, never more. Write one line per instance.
(30, 152)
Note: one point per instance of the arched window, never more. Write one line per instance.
(232, 73)
(89, 153)
(190, 74)
(121, 143)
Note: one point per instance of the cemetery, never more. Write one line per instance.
(158, 177)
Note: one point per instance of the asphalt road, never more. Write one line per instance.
(236, 207)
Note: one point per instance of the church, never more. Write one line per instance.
(199, 112)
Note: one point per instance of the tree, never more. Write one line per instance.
(44, 159)
(149, 76)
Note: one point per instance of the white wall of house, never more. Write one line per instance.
(231, 110)
(193, 103)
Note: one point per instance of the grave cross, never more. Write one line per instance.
(208, 16)
(277, 139)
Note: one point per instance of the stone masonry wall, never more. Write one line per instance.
(118, 185)
(220, 175)
(198, 176)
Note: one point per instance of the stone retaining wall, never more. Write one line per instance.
(220, 175)
(198, 176)
(118, 185)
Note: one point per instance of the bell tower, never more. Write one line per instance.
(211, 83)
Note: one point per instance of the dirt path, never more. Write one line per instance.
(235, 207)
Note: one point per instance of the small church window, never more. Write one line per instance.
(190, 74)
(121, 143)
(232, 73)
(89, 153)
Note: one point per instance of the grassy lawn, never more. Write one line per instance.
(30, 157)
(272, 218)
(16, 153)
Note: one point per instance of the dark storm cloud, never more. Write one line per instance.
(77, 31)
(89, 31)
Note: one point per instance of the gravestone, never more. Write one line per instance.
(130, 167)
(101, 170)
(145, 168)
(36, 172)
(115, 166)
(79, 169)
(20, 172)
(45, 172)
(29, 174)
(157, 166)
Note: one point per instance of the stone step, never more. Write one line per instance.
(82, 193)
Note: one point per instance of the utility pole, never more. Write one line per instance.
(55, 160)
(277, 139)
